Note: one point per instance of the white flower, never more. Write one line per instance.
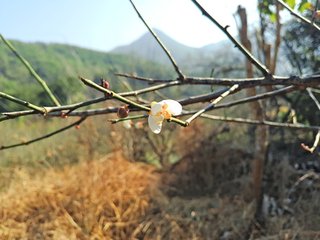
(161, 111)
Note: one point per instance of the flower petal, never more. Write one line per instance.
(155, 124)
(174, 107)
(155, 108)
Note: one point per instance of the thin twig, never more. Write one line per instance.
(144, 79)
(22, 102)
(213, 103)
(126, 100)
(264, 70)
(230, 119)
(151, 89)
(257, 97)
(202, 98)
(57, 111)
(176, 67)
(257, 122)
(297, 15)
(43, 137)
(311, 80)
(301, 179)
(32, 71)
(317, 138)
(313, 98)
(135, 117)
(112, 94)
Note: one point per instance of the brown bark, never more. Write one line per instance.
(257, 111)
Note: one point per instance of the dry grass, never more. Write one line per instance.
(116, 199)
(93, 200)
(111, 199)
(204, 196)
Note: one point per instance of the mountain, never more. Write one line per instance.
(60, 65)
(193, 59)
(147, 48)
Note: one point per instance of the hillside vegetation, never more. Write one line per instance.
(60, 65)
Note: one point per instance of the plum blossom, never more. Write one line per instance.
(160, 111)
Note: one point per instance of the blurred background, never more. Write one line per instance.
(121, 181)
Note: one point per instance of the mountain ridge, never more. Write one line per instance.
(198, 60)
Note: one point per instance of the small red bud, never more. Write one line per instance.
(105, 83)
(123, 111)
(64, 115)
(77, 127)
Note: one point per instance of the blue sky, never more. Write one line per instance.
(105, 24)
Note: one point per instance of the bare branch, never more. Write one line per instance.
(297, 15)
(43, 137)
(213, 103)
(126, 100)
(177, 69)
(57, 111)
(22, 102)
(144, 79)
(257, 122)
(257, 97)
(249, 56)
(32, 71)
(317, 138)
(135, 117)
(231, 119)
(311, 80)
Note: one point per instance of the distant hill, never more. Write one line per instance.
(60, 65)
(193, 59)
(147, 47)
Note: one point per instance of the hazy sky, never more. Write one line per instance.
(105, 24)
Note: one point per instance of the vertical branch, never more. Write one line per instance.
(262, 29)
(277, 40)
(260, 135)
(32, 71)
(177, 69)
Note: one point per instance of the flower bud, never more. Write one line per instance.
(64, 115)
(123, 112)
(105, 83)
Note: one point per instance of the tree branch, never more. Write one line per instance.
(23, 103)
(317, 138)
(263, 69)
(126, 100)
(213, 103)
(43, 137)
(263, 122)
(177, 69)
(297, 15)
(311, 80)
(32, 71)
